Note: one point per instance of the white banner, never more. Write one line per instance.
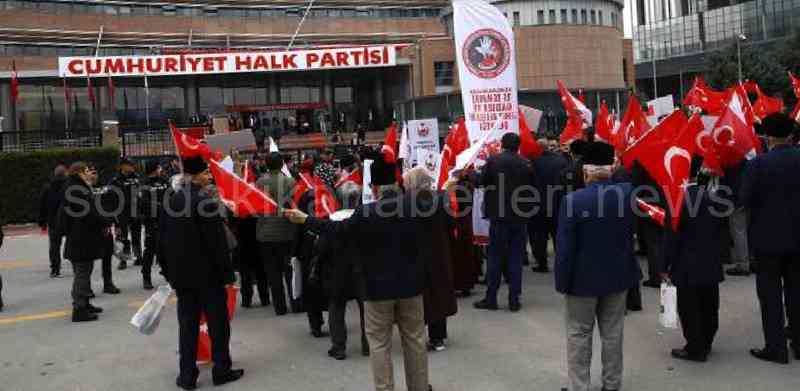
(429, 160)
(366, 189)
(423, 135)
(487, 68)
(214, 63)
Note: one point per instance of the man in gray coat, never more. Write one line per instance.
(274, 233)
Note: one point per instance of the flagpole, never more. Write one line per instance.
(147, 103)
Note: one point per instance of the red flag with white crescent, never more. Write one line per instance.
(242, 198)
(389, 148)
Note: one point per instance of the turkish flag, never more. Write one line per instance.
(795, 84)
(457, 141)
(766, 105)
(389, 148)
(249, 173)
(653, 211)
(667, 157)
(355, 177)
(303, 185)
(14, 82)
(604, 125)
(189, 147)
(633, 126)
(242, 198)
(702, 96)
(572, 131)
(733, 137)
(666, 130)
(528, 147)
(204, 340)
(574, 107)
(325, 203)
(705, 146)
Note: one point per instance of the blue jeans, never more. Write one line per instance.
(506, 250)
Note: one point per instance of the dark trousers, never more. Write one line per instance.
(106, 269)
(506, 250)
(654, 237)
(437, 331)
(253, 273)
(633, 300)
(338, 327)
(698, 307)
(81, 283)
(134, 227)
(312, 298)
(213, 303)
(55, 250)
(275, 256)
(151, 238)
(779, 277)
(544, 230)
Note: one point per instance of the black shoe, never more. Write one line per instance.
(337, 354)
(541, 269)
(485, 305)
(763, 354)
(437, 345)
(122, 265)
(186, 385)
(137, 262)
(652, 284)
(246, 303)
(317, 333)
(111, 289)
(514, 307)
(635, 308)
(738, 272)
(280, 312)
(608, 389)
(147, 283)
(91, 295)
(796, 352)
(264, 301)
(232, 376)
(94, 310)
(682, 354)
(55, 274)
(83, 315)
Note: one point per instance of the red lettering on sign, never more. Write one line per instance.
(244, 63)
(93, 67)
(75, 67)
(170, 64)
(273, 61)
(311, 59)
(261, 63)
(288, 61)
(183, 63)
(356, 55)
(115, 65)
(221, 60)
(208, 64)
(327, 60)
(194, 63)
(341, 59)
(135, 63)
(385, 55)
(154, 65)
(375, 57)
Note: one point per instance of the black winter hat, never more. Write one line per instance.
(778, 125)
(194, 165)
(598, 154)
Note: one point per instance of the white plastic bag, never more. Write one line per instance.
(297, 278)
(147, 319)
(669, 306)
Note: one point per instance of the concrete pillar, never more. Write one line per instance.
(190, 97)
(327, 90)
(379, 106)
(7, 108)
(274, 89)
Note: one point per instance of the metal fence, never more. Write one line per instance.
(29, 141)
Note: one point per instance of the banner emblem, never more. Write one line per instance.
(487, 53)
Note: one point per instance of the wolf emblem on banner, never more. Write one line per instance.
(487, 53)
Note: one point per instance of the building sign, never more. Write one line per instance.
(275, 107)
(239, 62)
(486, 68)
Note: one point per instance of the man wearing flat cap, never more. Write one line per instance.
(199, 268)
(770, 189)
(391, 246)
(595, 267)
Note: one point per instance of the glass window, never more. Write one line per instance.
(593, 16)
(168, 10)
(516, 18)
(564, 16)
(443, 73)
(349, 13)
(574, 16)
(253, 13)
(267, 13)
(124, 10)
(139, 10)
(552, 17)
(583, 17)
(110, 10)
(540, 17)
(600, 17)
(342, 95)
(210, 98)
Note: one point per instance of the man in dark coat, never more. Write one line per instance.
(508, 181)
(693, 262)
(50, 202)
(595, 267)
(770, 189)
(542, 227)
(394, 274)
(86, 230)
(652, 233)
(125, 186)
(199, 270)
(107, 200)
(151, 197)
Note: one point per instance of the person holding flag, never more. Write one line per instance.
(199, 269)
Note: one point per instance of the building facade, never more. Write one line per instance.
(578, 41)
(672, 36)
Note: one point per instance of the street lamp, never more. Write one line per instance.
(739, 39)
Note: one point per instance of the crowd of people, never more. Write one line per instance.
(578, 197)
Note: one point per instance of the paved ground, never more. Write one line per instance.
(40, 350)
